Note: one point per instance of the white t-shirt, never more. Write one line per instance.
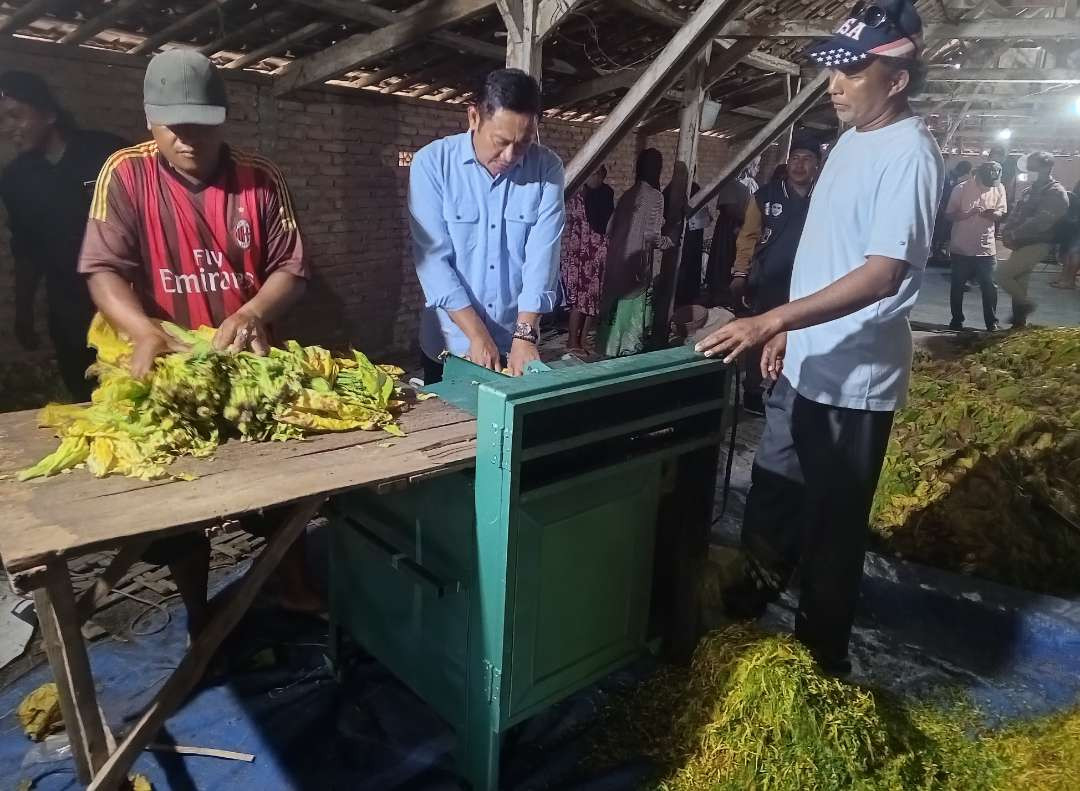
(877, 195)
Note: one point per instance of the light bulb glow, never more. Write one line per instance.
(1005, 134)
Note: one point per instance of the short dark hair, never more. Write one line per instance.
(508, 89)
(917, 73)
(27, 88)
(963, 166)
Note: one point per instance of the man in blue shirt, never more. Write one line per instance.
(486, 216)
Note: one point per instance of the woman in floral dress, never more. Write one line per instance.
(583, 253)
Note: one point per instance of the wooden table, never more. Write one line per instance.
(46, 522)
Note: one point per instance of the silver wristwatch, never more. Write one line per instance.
(523, 331)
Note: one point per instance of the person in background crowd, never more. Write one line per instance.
(486, 215)
(841, 349)
(584, 250)
(1069, 243)
(187, 229)
(688, 290)
(943, 226)
(765, 249)
(1008, 162)
(46, 190)
(1029, 233)
(634, 233)
(974, 208)
(731, 205)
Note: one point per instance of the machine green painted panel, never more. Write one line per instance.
(583, 582)
(403, 621)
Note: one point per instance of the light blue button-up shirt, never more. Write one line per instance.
(490, 242)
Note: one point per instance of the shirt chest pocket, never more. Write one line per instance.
(519, 218)
(462, 220)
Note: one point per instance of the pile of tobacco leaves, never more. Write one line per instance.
(753, 712)
(193, 401)
(982, 474)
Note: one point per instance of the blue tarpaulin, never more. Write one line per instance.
(275, 696)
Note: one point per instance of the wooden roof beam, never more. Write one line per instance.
(985, 29)
(661, 13)
(413, 24)
(660, 75)
(795, 109)
(91, 27)
(167, 33)
(371, 14)
(27, 13)
(280, 45)
(724, 60)
(259, 24)
(947, 74)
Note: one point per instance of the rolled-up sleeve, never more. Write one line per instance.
(432, 248)
(541, 268)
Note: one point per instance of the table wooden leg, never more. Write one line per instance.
(195, 661)
(60, 621)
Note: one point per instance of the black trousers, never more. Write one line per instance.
(813, 484)
(73, 356)
(433, 370)
(981, 268)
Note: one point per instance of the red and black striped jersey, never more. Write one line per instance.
(194, 253)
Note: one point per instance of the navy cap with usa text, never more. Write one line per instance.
(874, 28)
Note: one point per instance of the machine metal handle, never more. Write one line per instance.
(398, 560)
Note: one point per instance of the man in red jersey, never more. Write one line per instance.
(187, 229)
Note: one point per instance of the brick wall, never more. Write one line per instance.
(339, 151)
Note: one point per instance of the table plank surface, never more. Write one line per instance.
(75, 513)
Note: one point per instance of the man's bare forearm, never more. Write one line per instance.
(117, 302)
(279, 293)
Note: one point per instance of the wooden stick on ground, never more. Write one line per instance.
(195, 661)
(209, 752)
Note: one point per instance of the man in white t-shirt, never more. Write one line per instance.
(841, 348)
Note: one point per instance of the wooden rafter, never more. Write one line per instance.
(371, 14)
(256, 25)
(280, 45)
(794, 110)
(722, 63)
(661, 74)
(413, 24)
(91, 27)
(167, 33)
(985, 29)
(26, 14)
(946, 74)
(663, 14)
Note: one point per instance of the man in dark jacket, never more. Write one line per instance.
(1029, 232)
(46, 190)
(765, 249)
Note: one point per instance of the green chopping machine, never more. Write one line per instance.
(574, 544)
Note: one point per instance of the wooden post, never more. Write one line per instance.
(60, 622)
(682, 178)
(795, 110)
(792, 86)
(195, 661)
(653, 84)
(524, 49)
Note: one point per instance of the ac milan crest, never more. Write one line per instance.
(242, 233)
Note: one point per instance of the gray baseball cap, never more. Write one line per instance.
(182, 86)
